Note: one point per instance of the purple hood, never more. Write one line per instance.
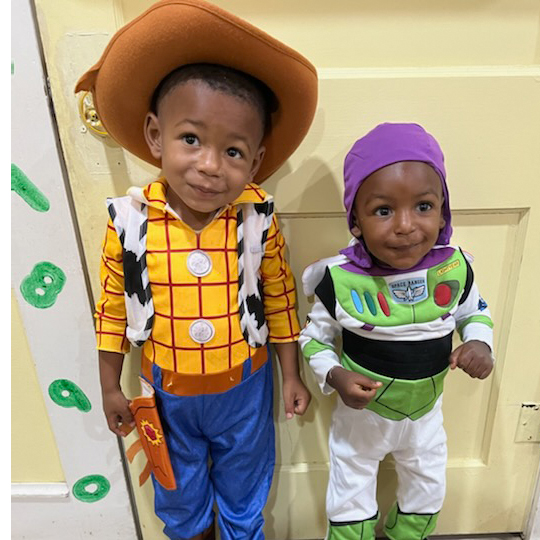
(382, 146)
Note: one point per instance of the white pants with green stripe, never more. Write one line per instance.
(359, 441)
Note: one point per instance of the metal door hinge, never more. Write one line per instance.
(528, 429)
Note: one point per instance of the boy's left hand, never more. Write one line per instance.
(296, 397)
(474, 358)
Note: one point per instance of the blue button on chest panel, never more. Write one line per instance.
(357, 302)
(360, 306)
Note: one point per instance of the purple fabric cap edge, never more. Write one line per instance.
(386, 144)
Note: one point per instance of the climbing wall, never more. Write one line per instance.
(51, 293)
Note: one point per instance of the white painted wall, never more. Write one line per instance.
(61, 337)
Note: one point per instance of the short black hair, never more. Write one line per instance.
(223, 79)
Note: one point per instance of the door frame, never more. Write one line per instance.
(532, 530)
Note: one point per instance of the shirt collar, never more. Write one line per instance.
(155, 194)
(252, 193)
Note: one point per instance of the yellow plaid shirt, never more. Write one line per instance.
(180, 298)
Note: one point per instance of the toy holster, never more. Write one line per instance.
(151, 439)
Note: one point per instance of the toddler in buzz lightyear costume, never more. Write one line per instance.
(395, 297)
(193, 265)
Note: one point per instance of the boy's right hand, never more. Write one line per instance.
(117, 412)
(355, 390)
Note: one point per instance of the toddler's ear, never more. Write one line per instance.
(442, 221)
(356, 232)
(257, 160)
(355, 229)
(152, 134)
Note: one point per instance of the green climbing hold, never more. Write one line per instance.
(91, 488)
(22, 185)
(41, 287)
(67, 394)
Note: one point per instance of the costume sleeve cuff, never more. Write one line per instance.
(321, 364)
(111, 337)
(479, 332)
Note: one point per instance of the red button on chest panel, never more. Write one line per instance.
(443, 294)
(383, 303)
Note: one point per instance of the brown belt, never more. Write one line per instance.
(186, 384)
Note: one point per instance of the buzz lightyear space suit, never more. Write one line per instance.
(396, 327)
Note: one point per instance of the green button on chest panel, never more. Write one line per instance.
(369, 299)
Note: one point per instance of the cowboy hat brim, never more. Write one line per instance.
(172, 33)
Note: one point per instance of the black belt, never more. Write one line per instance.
(399, 359)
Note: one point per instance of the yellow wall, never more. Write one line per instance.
(34, 455)
(431, 52)
(393, 33)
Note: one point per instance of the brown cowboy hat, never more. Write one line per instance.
(172, 33)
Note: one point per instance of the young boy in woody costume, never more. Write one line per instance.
(193, 267)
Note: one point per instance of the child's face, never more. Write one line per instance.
(209, 144)
(398, 213)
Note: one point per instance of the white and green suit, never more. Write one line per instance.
(396, 327)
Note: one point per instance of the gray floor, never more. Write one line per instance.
(507, 536)
(478, 537)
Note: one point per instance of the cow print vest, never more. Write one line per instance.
(130, 219)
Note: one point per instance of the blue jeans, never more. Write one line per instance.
(222, 450)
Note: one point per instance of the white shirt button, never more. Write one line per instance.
(201, 331)
(199, 263)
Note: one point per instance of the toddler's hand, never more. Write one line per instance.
(355, 390)
(117, 412)
(474, 358)
(296, 397)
